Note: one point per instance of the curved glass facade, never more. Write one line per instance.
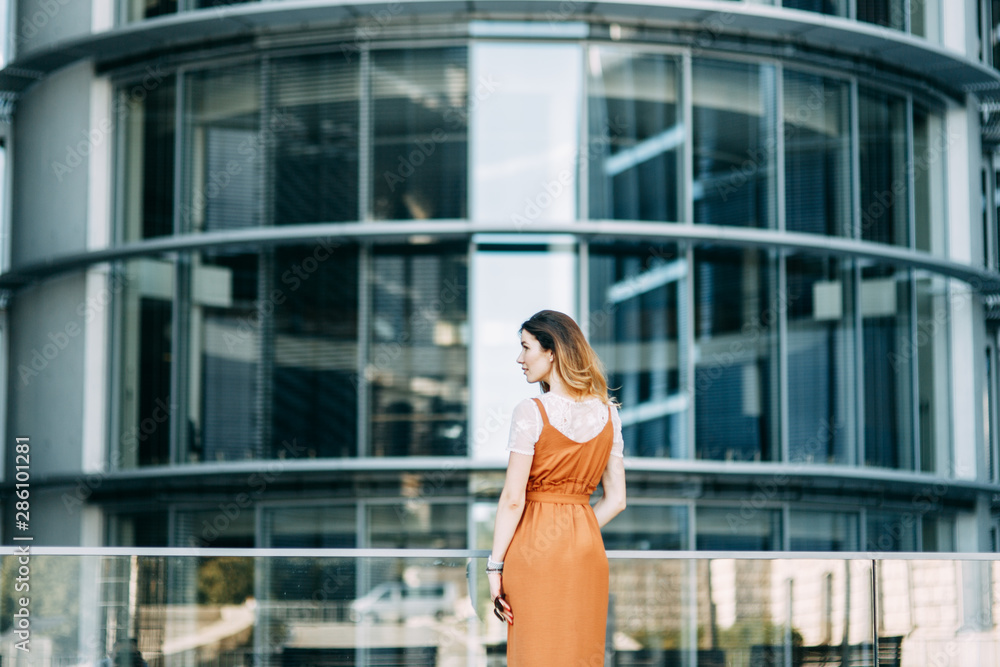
(322, 245)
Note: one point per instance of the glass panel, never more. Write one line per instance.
(932, 346)
(418, 524)
(419, 133)
(888, 13)
(227, 336)
(929, 155)
(313, 353)
(661, 527)
(822, 386)
(417, 361)
(636, 136)
(326, 527)
(634, 323)
(145, 344)
(138, 529)
(316, 118)
(226, 525)
(888, 357)
(138, 10)
(823, 531)
(525, 132)
(831, 7)
(147, 177)
(533, 278)
(926, 19)
(735, 384)
(817, 154)
(884, 179)
(734, 143)
(737, 529)
(226, 149)
(891, 531)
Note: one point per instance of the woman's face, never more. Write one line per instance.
(534, 361)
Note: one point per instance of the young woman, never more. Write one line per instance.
(548, 570)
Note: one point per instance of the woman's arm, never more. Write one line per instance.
(613, 500)
(509, 511)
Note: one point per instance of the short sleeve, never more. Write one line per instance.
(525, 428)
(618, 443)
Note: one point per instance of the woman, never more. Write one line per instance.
(548, 562)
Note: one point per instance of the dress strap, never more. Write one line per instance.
(541, 408)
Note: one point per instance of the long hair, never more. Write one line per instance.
(577, 364)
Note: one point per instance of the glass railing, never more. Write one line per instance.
(291, 607)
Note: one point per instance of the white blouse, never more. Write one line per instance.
(577, 420)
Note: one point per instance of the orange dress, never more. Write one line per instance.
(555, 569)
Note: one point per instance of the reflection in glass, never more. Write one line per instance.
(887, 364)
(315, 171)
(419, 127)
(224, 525)
(736, 314)
(146, 403)
(737, 529)
(149, 135)
(417, 357)
(226, 338)
(225, 149)
(313, 351)
(817, 154)
(634, 314)
(884, 180)
(933, 347)
(891, 531)
(831, 7)
(887, 13)
(734, 157)
(823, 531)
(929, 155)
(525, 132)
(636, 136)
(821, 360)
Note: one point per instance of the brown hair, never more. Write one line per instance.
(577, 364)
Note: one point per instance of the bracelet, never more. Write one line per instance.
(492, 565)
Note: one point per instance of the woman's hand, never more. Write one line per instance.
(496, 589)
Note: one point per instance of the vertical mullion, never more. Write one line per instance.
(182, 267)
(265, 269)
(784, 446)
(583, 143)
(911, 218)
(687, 152)
(364, 323)
(685, 287)
(364, 134)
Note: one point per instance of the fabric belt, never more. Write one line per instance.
(561, 498)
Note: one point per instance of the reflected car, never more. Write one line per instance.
(398, 601)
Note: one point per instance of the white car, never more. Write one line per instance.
(395, 600)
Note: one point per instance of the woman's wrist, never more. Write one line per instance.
(493, 566)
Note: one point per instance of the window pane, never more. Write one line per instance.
(831, 7)
(817, 155)
(884, 180)
(636, 136)
(888, 355)
(663, 527)
(327, 527)
(888, 13)
(736, 384)
(526, 131)
(225, 150)
(148, 178)
(933, 371)
(821, 361)
(417, 525)
(419, 133)
(925, 19)
(823, 531)
(314, 380)
(315, 139)
(634, 314)
(225, 422)
(725, 528)
(929, 148)
(225, 525)
(891, 531)
(417, 369)
(145, 345)
(734, 141)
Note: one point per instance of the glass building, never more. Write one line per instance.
(264, 266)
